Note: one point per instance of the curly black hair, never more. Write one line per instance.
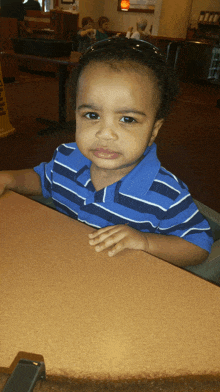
(116, 51)
(102, 20)
(86, 20)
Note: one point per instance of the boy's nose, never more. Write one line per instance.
(107, 132)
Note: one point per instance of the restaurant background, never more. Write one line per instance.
(170, 18)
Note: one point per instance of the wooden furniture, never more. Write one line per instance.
(64, 65)
(209, 25)
(5, 126)
(8, 30)
(37, 14)
(63, 23)
(37, 20)
(209, 30)
(214, 66)
(198, 61)
(90, 315)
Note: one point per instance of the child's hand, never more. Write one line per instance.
(5, 180)
(2, 188)
(118, 238)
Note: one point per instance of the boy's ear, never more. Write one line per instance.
(157, 125)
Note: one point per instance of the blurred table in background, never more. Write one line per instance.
(63, 66)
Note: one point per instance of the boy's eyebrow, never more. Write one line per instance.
(121, 111)
(86, 106)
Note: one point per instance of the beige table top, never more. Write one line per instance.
(94, 316)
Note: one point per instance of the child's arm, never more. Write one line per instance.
(129, 32)
(25, 181)
(170, 248)
(83, 33)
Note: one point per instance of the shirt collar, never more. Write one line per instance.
(81, 165)
(137, 182)
(140, 179)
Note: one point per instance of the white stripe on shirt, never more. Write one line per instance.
(59, 202)
(72, 148)
(48, 178)
(175, 204)
(68, 189)
(169, 186)
(187, 220)
(62, 164)
(170, 173)
(88, 223)
(194, 228)
(143, 201)
(121, 216)
(104, 195)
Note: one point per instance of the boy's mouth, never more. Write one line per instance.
(104, 153)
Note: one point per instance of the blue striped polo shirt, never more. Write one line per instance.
(149, 198)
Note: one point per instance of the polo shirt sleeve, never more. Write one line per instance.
(184, 220)
(45, 171)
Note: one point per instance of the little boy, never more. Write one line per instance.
(111, 178)
(86, 35)
(140, 33)
(101, 32)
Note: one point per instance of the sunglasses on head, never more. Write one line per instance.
(122, 44)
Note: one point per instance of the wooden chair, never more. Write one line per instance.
(64, 24)
(210, 268)
(173, 51)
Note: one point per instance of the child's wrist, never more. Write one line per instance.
(146, 246)
(9, 180)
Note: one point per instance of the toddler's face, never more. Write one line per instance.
(88, 26)
(115, 116)
(105, 25)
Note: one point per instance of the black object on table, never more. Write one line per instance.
(25, 376)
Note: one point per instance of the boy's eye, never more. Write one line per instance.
(128, 120)
(92, 116)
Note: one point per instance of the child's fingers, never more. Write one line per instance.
(117, 238)
(126, 242)
(104, 235)
(117, 248)
(109, 241)
(101, 231)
